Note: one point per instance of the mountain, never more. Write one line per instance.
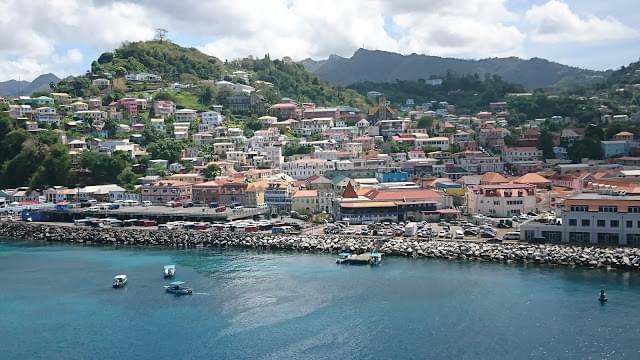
(383, 66)
(18, 88)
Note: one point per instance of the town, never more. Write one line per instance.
(212, 151)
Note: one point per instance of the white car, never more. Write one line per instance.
(146, 203)
(165, 227)
(459, 234)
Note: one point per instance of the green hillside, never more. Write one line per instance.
(167, 59)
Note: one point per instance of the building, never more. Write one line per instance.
(305, 200)
(611, 218)
(212, 118)
(185, 115)
(501, 200)
(143, 77)
(20, 111)
(42, 101)
(615, 148)
(285, 111)
(187, 178)
(520, 154)
(164, 108)
(278, 196)
(207, 192)
(159, 125)
(47, 115)
(164, 191)
(304, 168)
(440, 143)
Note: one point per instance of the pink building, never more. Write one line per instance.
(130, 105)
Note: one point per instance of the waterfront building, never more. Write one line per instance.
(610, 217)
(164, 191)
(501, 200)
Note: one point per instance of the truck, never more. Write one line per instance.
(410, 229)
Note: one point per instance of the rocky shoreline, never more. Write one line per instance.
(565, 255)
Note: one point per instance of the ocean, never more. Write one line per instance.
(56, 302)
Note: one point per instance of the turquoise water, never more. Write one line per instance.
(57, 303)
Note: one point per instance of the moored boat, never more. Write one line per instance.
(343, 257)
(169, 271)
(119, 281)
(376, 258)
(176, 288)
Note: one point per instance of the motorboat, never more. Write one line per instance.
(119, 281)
(376, 258)
(343, 257)
(169, 271)
(177, 288)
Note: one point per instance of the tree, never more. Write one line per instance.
(165, 149)
(105, 57)
(54, 169)
(211, 172)
(425, 122)
(545, 143)
(127, 178)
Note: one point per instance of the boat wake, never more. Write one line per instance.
(199, 293)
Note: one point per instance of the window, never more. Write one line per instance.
(579, 237)
(634, 209)
(573, 222)
(629, 223)
(579, 208)
(586, 223)
(552, 236)
(633, 239)
(608, 209)
(601, 223)
(607, 238)
(615, 223)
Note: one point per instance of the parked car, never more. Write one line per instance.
(471, 232)
(187, 204)
(459, 234)
(165, 227)
(146, 203)
(514, 235)
(487, 234)
(147, 222)
(170, 204)
(213, 205)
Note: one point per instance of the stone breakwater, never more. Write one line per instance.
(592, 257)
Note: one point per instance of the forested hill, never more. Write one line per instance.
(167, 59)
(382, 66)
(176, 63)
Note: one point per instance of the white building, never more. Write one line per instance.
(20, 111)
(440, 143)
(304, 168)
(212, 118)
(47, 115)
(518, 154)
(186, 115)
(591, 218)
(502, 200)
(159, 125)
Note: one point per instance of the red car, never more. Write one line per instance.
(221, 209)
(147, 222)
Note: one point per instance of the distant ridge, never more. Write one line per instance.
(18, 88)
(384, 66)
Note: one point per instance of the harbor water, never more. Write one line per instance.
(56, 302)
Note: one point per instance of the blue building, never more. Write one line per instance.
(615, 148)
(391, 175)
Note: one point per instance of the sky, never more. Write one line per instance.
(64, 36)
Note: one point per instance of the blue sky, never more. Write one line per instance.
(63, 36)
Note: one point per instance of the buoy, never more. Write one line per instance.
(603, 296)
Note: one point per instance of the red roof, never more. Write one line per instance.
(402, 195)
(349, 192)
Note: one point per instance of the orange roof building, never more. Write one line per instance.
(493, 178)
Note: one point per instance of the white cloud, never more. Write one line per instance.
(554, 22)
(32, 41)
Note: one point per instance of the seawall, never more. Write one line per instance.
(551, 254)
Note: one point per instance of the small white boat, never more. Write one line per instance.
(119, 281)
(169, 271)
